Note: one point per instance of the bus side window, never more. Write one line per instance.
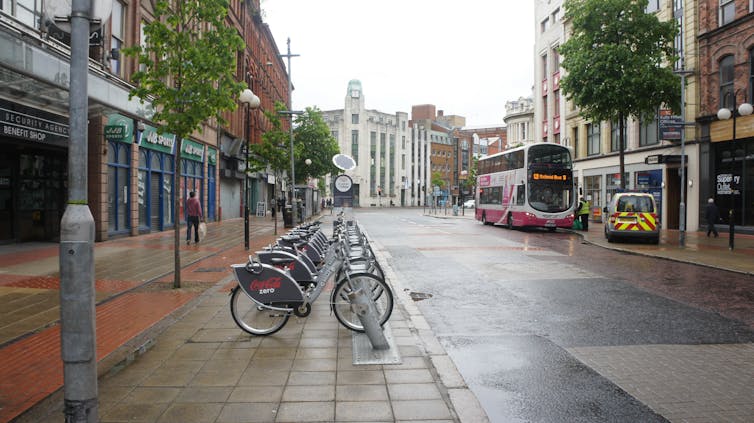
(520, 194)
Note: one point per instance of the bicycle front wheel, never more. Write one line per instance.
(379, 291)
(254, 318)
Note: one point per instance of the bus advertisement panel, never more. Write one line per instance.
(529, 186)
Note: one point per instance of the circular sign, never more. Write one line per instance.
(343, 161)
(100, 10)
(343, 183)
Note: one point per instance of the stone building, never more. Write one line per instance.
(379, 143)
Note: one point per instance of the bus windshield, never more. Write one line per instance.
(550, 178)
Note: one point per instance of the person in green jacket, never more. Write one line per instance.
(582, 212)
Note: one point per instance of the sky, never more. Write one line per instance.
(466, 57)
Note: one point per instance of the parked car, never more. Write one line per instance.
(632, 215)
(469, 204)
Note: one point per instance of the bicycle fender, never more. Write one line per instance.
(270, 285)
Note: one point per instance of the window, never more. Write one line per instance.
(652, 6)
(543, 25)
(355, 118)
(648, 132)
(593, 139)
(727, 11)
(615, 135)
(544, 66)
(556, 104)
(555, 60)
(355, 146)
(726, 82)
(544, 110)
(28, 12)
(117, 36)
(575, 140)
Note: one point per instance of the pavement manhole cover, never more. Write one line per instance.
(418, 296)
(210, 269)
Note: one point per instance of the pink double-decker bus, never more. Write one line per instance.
(529, 186)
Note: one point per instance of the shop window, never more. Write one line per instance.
(593, 139)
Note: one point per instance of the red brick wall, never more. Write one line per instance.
(715, 43)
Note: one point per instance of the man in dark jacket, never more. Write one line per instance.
(193, 215)
(712, 214)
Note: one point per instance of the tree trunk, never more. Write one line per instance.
(177, 213)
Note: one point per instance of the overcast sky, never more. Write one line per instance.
(466, 57)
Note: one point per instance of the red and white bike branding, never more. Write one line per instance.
(267, 286)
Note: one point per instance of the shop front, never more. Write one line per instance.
(730, 170)
(155, 180)
(119, 134)
(33, 173)
(733, 181)
(192, 173)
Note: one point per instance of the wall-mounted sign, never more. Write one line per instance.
(152, 140)
(670, 125)
(727, 184)
(119, 128)
(26, 123)
(192, 150)
(212, 156)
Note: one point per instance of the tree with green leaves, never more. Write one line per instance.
(187, 71)
(272, 151)
(618, 60)
(313, 141)
(470, 182)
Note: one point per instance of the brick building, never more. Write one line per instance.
(726, 75)
(130, 166)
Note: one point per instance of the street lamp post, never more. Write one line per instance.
(290, 130)
(725, 113)
(250, 101)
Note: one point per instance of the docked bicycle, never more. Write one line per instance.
(288, 276)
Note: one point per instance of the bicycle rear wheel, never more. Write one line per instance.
(254, 318)
(379, 291)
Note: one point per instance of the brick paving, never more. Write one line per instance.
(199, 367)
(683, 383)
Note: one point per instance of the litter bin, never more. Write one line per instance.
(455, 209)
(288, 216)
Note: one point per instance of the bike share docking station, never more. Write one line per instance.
(287, 277)
(375, 345)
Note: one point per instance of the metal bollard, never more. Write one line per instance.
(363, 305)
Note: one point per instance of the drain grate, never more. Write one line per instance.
(418, 296)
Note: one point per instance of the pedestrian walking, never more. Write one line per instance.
(712, 214)
(193, 215)
(582, 212)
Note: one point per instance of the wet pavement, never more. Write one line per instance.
(663, 332)
(175, 354)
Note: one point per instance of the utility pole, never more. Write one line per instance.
(77, 301)
(290, 132)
